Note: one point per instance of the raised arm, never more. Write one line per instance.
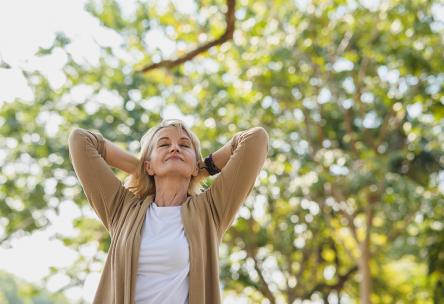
(240, 161)
(104, 191)
(118, 158)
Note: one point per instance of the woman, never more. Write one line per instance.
(165, 232)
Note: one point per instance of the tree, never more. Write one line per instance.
(15, 291)
(352, 99)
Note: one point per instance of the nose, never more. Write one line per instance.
(175, 147)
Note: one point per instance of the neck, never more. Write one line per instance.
(171, 191)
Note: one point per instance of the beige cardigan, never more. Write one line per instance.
(205, 216)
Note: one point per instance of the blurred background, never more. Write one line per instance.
(349, 206)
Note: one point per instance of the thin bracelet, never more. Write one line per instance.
(211, 167)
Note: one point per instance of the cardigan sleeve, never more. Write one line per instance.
(102, 188)
(234, 183)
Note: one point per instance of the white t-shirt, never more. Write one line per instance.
(164, 264)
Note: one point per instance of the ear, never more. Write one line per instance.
(199, 165)
(196, 171)
(147, 167)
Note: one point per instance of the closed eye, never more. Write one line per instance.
(181, 145)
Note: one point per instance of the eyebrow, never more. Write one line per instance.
(169, 138)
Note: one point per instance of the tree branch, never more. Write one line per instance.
(306, 253)
(251, 252)
(345, 42)
(227, 35)
(393, 235)
(322, 286)
(348, 127)
(390, 118)
(384, 126)
(358, 81)
(264, 289)
(308, 127)
(337, 195)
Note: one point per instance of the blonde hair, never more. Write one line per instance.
(142, 184)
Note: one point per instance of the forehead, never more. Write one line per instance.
(172, 132)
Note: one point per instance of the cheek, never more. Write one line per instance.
(192, 156)
(156, 155)
(155, 160)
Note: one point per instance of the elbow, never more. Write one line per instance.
(261, 136)
(261, 132)
(255, 138)
(77, 137)
(75, 134)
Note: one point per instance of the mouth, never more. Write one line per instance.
(175, 158)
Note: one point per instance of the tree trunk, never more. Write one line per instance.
(364, 271)
(364, 260)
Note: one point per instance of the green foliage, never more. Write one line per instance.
(352, 99)
(15, 291)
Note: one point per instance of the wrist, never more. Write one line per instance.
(210, 166)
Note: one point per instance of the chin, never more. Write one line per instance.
(176, 173)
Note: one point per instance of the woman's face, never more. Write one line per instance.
(172, 154)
